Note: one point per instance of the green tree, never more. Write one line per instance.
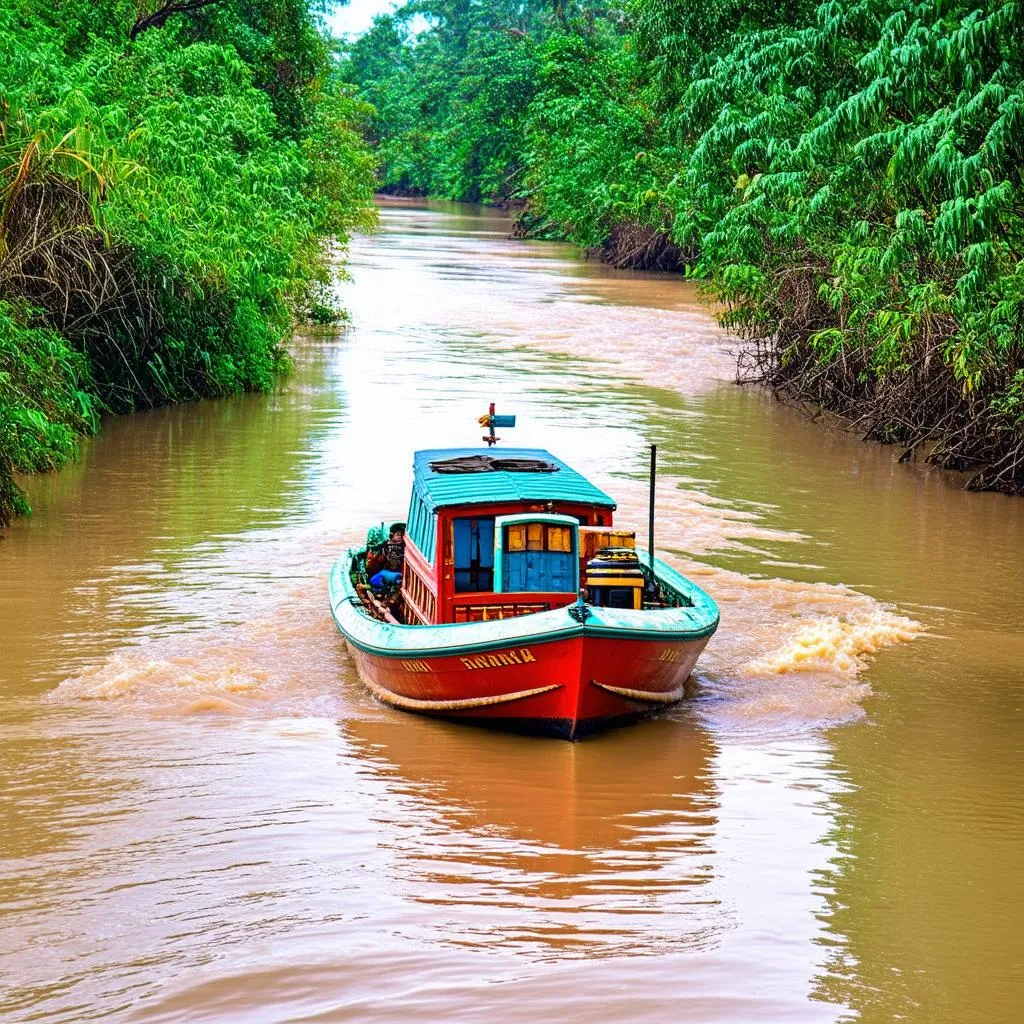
(165, 203)
(845, 177)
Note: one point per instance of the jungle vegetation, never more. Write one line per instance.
(846, 178)
(174, 178)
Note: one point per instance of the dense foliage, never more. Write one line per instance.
(450, 104)
(847, 177)
(165, 206)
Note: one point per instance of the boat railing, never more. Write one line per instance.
(486, 612)
(664, 595)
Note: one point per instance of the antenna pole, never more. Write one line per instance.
(650, 521)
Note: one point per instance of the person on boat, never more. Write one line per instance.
(384, 563)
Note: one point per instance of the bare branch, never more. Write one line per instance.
(170, 7)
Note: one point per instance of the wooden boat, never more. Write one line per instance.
(520, 604)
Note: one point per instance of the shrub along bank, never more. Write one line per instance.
(170, 175)
(845, 177)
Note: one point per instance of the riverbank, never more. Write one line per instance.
(844, 179)
(169, 187)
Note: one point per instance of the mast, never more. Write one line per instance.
(650, 520)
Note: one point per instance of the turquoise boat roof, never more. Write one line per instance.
(443, 490)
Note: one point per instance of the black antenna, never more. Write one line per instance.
(650, 521)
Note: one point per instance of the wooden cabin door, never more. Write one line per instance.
(539, 559)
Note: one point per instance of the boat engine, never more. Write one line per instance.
(615, 579)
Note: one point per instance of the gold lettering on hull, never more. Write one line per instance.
(669, 654)
(500, 659)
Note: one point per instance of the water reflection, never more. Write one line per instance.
(598, 849)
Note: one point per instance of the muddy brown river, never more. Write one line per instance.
(205, 817)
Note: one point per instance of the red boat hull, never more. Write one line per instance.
(566, 687)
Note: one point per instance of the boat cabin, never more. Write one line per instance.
(497, 534)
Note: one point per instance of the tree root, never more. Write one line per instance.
(917, 407)
(632, 246)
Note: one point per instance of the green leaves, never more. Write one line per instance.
(165, 207)
(44, 404)
(846, 177)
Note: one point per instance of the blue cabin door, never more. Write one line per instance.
(539, 558)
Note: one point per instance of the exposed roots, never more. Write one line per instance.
(633, 246)
(922, 408)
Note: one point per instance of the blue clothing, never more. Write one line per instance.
(385, 578)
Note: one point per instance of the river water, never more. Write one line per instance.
(204, 816)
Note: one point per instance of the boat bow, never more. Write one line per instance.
(557, 671)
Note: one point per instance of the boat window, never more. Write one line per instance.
(422, 527)
(412, 529)
(516, 538)
(534, 537)
(473, 541)
(415, 519)
(559, 538)
(431, 540)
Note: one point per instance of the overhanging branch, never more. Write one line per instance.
(158, 18)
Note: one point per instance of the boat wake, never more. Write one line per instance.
(794, 655)
(283, 658)
(835, 645)
(789, 655)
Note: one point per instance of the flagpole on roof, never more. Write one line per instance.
(491, 420)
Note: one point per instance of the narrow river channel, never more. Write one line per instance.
(205, 817)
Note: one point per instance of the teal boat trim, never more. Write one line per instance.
(389, 640)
